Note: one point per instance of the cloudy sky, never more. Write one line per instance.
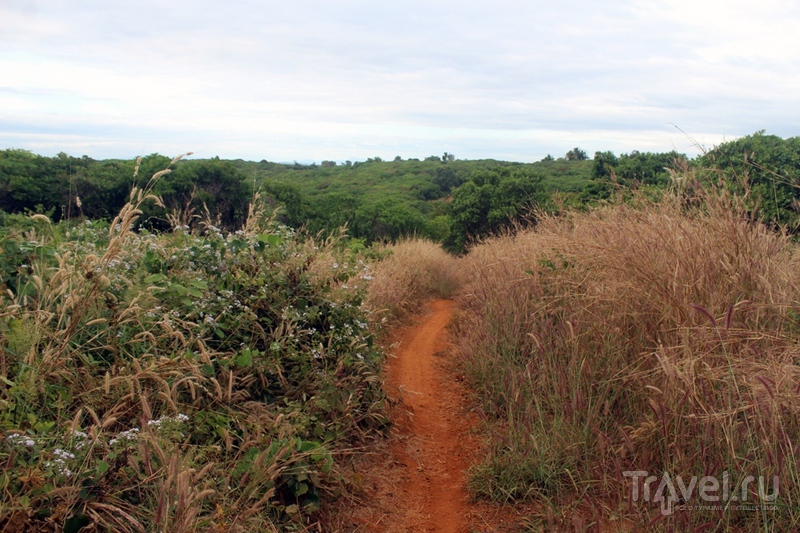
(352, 79)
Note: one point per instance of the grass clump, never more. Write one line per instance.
(656, 337)
(179, 382)
(410, 272)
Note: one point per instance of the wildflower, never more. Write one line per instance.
(129, 435)
(63, 454)
(18, 439)
(82, 438)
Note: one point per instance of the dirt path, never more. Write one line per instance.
(417, 483)
(434, 428)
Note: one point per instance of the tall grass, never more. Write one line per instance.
(656, 337)
(179, 382)
(410, 272)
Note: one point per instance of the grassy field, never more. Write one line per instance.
(655, 337)
(211, 380)
(645, 343)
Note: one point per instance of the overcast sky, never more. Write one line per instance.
(315, 80)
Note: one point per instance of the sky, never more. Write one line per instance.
(349, 80)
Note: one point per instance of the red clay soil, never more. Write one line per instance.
(418, 482)
(435, 489)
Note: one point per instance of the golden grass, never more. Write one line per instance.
(657, 337)
(411, 272)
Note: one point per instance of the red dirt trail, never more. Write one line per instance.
(418, 482)
(435, 487)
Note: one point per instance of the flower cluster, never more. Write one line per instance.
(17, 439)
(125, 437)
(60, 462)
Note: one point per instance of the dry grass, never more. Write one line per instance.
(411, 272)
(657, 337)
(180, 382)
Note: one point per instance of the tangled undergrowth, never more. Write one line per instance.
(190, 381)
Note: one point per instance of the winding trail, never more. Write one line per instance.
(435, 486)
(418, 482)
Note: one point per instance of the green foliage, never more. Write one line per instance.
(211, 189)
(357, 193)
(635, 168)
(318, 198)
(181, 381)
(296, 210)
(576, 154)
(492, 200)
(30, 182)
(765, 169)
(388, 219)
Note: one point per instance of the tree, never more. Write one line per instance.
(493, 200)
(387, 220)
(446, 179)
(576, 154)
(194, 186)
(765, 170)
(296, 209)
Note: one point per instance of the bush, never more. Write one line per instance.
(412, 271)
(181, 382)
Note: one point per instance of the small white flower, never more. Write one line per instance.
(129, 435)
(17, 439)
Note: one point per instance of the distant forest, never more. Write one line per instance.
(441, 197)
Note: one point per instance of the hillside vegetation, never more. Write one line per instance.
(182, 381)
(380, 201)
(195, 349)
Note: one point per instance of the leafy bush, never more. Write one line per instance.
(491, 201)
(181, 381)
(764, 170)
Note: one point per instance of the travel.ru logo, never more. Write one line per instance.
(663, 490)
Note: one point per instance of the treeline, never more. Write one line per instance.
(764, 170)
(448, 200)
(66, 187)
(444, 199)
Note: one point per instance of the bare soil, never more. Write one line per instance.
(418, 481)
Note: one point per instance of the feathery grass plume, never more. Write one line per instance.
(642, 336)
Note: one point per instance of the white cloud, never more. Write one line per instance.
(355, 79)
